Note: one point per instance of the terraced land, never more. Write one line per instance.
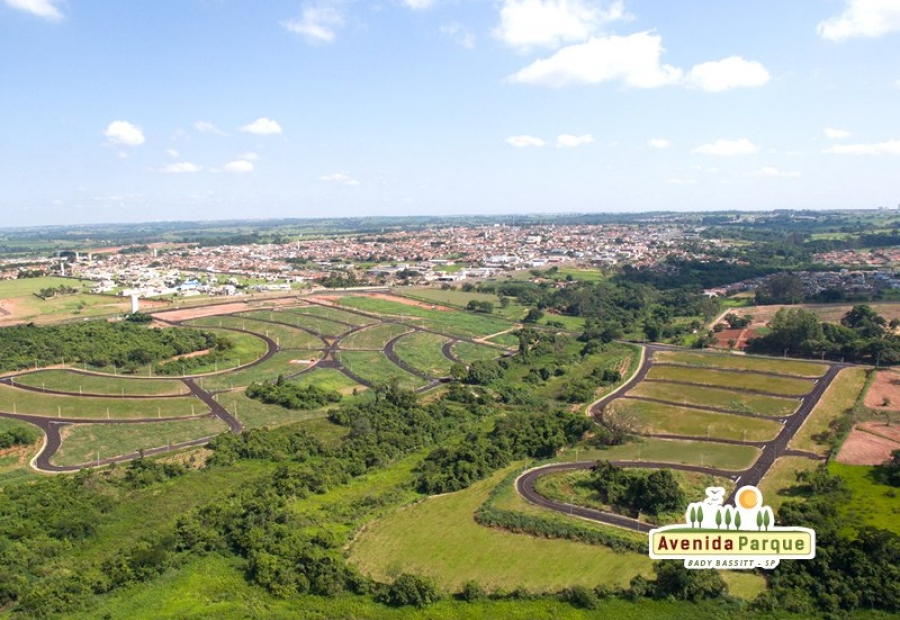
(282, 363)
(469, 352)
(79, 383)
(335, 314)
(742, 362)
(314, 324)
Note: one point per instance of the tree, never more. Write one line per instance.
(673, 579)
(412, 590)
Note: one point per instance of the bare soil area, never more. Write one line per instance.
(864, 448)
(185, 314)
(884, 395)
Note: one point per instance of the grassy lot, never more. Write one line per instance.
(335, 314)
(285, 337)
(779, 484)
(507, 339)
(742, 362)
(254, 414)
(514, 311)
(467, 324)
(292, 319)
(329, 379)
(374, 366)
(469, 352)
(718, 455)
(647, 417)
(375, 337)
(25, 306)
(14, 400)
(66, 381)
(838, 399)
(574, 487)
(278, 364)
(743, 402)
(82, 442)
(785, 386)
(873, 503)
(423, 351)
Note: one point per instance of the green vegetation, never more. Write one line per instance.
(423, 351)
(76, 383)
(872, 500)
(785, 386)
(230, 350)
(821, 429)
(374, 338)
(658, 418)
(315, 324)
(707, 454)
(15, 400)
(780, 483)
(742, 362)
(82, 443)
(15, 433)
(254, 414)
(329, 379)
(285, 337)
(743, 402)
(278, 364)
(290, 395)
(335, 314)
(375, 367)
(470, 352)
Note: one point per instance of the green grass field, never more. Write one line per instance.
(285, 337)
(278, 364)
(423, 351)
(375, 367)
(514, 311)
(742, 402)
(335, 314)
(14, 400)
(469, 352)
(649, 417)
(508, 340)
(329, 379)
(783, 386)
(25, 306)
(837, 399)
(742, 362)
(466, 324)
(374, 337)
(706, 454)
(76, 383)
(318, 325)
(82, 442)
(255, 414)
(781, 478)
(873, 503)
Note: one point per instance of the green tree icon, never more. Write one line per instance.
(727, 519)
(737, 520)
(759, 520)
(719, 519)
(765, 519)
(699, 516)
(694, 516)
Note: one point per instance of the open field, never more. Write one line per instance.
(375, 367)
(514, 311)
(335, 314)
(313, 323)
(82, 442)
(784, 386)
(830, 313)
(329, 379)
(884, 393)
(18, 299)
(422, 351)
(374, 337)
(730, 361)
(466, 324)
(873, 503)
(866, 446)
(506, 339)
(65, 381)
(657, 418)
(254, 414)
(469, 352)
(285, 337)
(743, 402)
(777, 484)
(208, 309)
(278, 364)
(13, 400)
(706, 454)
(838, 399)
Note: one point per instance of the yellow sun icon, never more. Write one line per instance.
(749, 498)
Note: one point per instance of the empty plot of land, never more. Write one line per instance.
(423, 351)
(328, 379)
(335, 314)
(702, 453)
(728, 361)
(374, 337)
(14, 400)
(282, 363)
(66, 381)
(864, 447)
(741, 402)
(884, 393)
(308, 321)
(469, 352)
(285, 337)
(82, 443)
(255, 414)
(838, 398)
(830, 313)
(657, 418)
(781, 477)
(184, 314)
(376, 368)
(786, 386)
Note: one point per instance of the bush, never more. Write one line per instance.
(411, 590)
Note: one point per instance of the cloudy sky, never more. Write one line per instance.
(202, 109)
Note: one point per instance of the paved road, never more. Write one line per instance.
(771, 450)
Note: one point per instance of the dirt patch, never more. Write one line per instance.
(406, 301)
(204, 311)
(307, 362)
(864, 448)
(884, 395)
(738, 335)
(891, 432)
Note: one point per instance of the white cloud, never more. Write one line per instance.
(727, 147)
(659, 143)
(569, 141)
(249, 156)
(207, 127)
(459, 33)
(318, 22)
(418, 4)
(339, 177)
(732, 72)
(836, 134)
(770, 171)
(172, 152)
(891, 147)
(42, 8)
(263, 127)
(123, 132)
(633, 59)
(523, 141)
(184, 166)
(525, 24)
(862, 18)
(238, 166)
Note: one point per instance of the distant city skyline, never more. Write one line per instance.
(219, 109)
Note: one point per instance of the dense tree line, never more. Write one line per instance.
(18, 435)
(636, 491)
(291, 395)
(98, 343)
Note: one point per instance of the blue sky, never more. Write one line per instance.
(148, 110)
